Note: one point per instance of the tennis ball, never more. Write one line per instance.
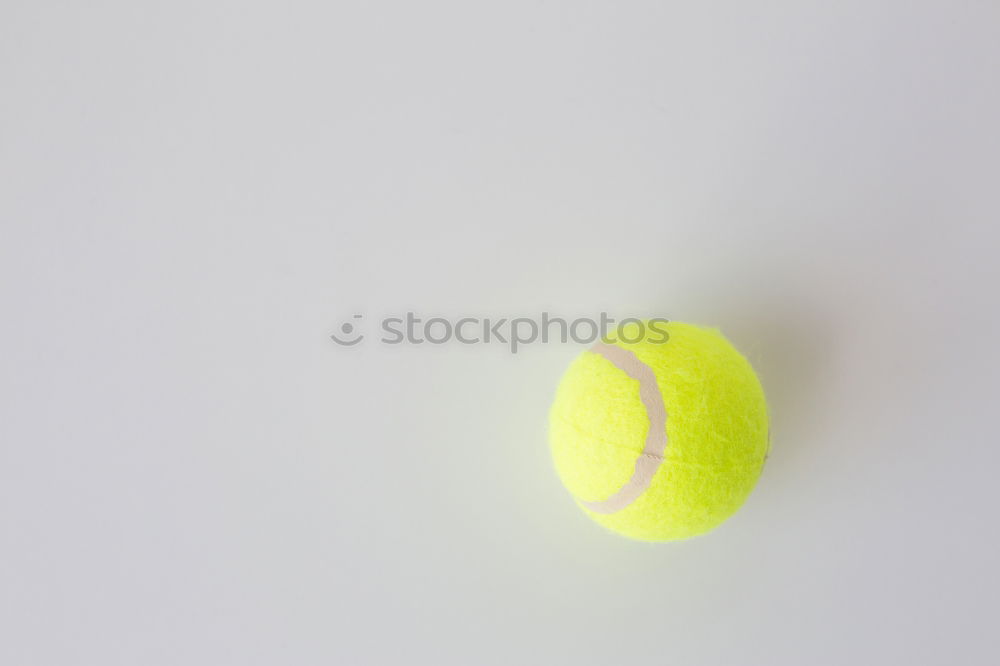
(660, 431)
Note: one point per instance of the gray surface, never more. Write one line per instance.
(193, 195)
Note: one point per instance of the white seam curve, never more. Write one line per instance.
(656, 439)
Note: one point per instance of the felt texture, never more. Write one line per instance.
(717, 432)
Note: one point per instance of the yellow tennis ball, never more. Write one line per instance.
(660, 432)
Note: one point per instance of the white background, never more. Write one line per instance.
(194, 195)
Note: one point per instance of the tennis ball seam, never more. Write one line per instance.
(648, 463)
